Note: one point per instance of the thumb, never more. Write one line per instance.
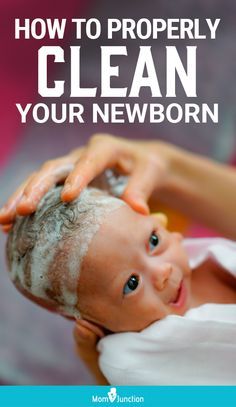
(90, 326)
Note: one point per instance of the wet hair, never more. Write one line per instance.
(45, 250)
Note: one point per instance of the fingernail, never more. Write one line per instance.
(6, 228)
(142, 206)
(21, 204)
(23, 200)
(29, 202)
(137, 201)
(25, 206)
(66, 188)
(81, 332)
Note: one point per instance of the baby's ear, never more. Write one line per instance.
(162, 218)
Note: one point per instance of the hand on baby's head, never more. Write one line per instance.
(97, 259)
(45, 250)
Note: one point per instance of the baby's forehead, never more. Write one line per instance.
(125, 220)
(117, 242)
(132, 229)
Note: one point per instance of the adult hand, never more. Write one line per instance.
(196, 186)
(25, 199)
(86, 336)
(147, 163)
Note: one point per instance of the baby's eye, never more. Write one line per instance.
(154, 241)
(131, 284)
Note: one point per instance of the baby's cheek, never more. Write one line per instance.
(153, 307)
(184, 263)
(178, 255)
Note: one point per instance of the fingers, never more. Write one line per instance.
(83, 336)
(146, 177)
(26, 198)
(100, 153)
(8, 212)
(98, 156)
(89, 326)
(40, 184)
(86, 333)
(33, 193)
(81, 166)
(6, 228)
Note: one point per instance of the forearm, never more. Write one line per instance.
(202, 189)
(196, 186)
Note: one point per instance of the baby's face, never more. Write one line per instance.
(135, 273)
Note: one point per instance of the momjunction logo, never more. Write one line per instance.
(112, 396)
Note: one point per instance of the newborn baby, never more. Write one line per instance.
(97, 259)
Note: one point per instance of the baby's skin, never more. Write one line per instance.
(136, 272)
(132, 272)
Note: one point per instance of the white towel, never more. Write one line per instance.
(198, 348)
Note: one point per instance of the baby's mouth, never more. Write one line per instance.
(180, 297)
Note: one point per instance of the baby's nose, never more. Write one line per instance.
(161, 275)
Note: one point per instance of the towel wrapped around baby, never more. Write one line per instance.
(198, 348)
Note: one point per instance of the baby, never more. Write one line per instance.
(97, 259)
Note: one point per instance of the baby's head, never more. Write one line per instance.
(97, 259)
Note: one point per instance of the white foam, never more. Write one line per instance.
(52, 241)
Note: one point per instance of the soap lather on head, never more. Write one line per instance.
(45, 250)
